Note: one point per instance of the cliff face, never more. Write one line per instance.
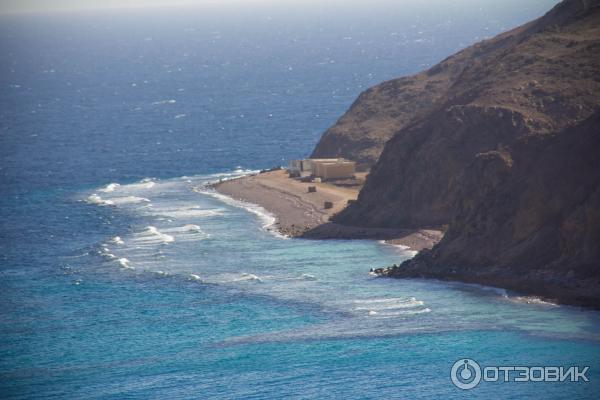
(502, 147)
(381, 111)
(513, 69)
(527, 219)
(377, 114)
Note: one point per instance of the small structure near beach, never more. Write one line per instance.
(324, 168)
(298, 166)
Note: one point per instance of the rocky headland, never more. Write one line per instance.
(499, 145)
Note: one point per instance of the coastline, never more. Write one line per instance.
(299, 214)
(302, 214)
(545, 286)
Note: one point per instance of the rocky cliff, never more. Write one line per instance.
(515, 66)
(527, 219)
(500, 143)
(377, 115)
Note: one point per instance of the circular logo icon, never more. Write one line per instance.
(465, 374)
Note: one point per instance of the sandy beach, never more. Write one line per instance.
(303, 214)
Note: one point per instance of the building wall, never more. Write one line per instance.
(327, 168)
(306, 165)
(295, 165)
(333, 169)
(338, 170)
(312, 164)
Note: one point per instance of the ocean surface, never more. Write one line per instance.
(123, 275)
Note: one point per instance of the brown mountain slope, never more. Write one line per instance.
(537, 79)
(527, 220)
(478, 153)
(547, 43)
(376, 115)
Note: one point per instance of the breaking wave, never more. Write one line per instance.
(151, 235)
(97, 200)
(268, 220)
(109, 188)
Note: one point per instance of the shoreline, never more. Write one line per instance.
(300, 214)
(528, 285)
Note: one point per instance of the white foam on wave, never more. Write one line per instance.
(267, 219)
(532, 300)
(108, 255)
(184, 229)
(398, 246)
(97, 200)
(115, 201)
(190, 212)
(169, 101)
(392, 306)
(117, 240)
(385, 300)
(151, 235)
(400, 313)
(109, 188)
(143, 184)
(382, 304)
(118, 201)
(187, 232)
(124, 263)
(248, 277)
(243, 277)
(225, 176)
(405, 250)
(195, 277)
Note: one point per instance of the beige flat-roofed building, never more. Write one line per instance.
(302, 165)
(308, 164)
(333, 169)
(325, 168)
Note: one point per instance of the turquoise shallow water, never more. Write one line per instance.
(160, 288)
(198, 298)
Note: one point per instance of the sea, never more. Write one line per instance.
(123, 275)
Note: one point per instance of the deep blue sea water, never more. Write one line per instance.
(123, 276)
